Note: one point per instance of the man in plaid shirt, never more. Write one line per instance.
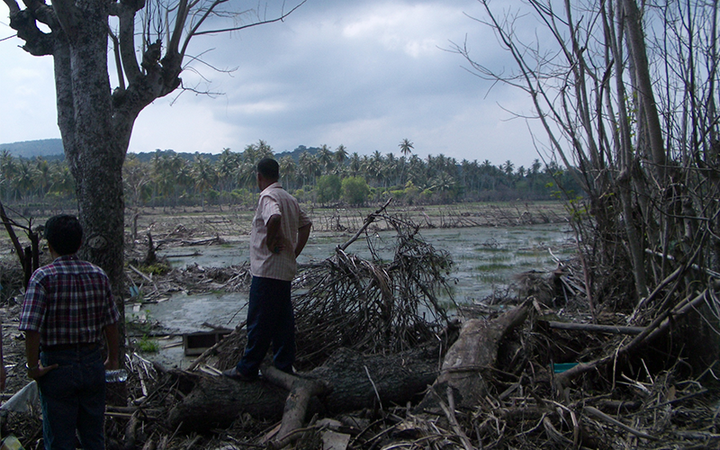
(68, 310)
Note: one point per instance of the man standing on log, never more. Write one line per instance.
(280, 231)
(68, 310)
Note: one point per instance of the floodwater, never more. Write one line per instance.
(485, 261)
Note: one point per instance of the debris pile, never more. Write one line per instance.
(391, 367)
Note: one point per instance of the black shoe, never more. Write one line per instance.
(237, 376)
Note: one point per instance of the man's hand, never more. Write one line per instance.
(111, 364)
(38, 371)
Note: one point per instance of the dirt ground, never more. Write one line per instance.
(13, 350)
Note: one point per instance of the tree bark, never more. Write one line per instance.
(355, 382)
(475, 350)
(95, 154)
(638, 54)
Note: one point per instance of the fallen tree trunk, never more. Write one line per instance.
(662, 323)
(355, 382)
(297, 402)
(475, 350)
(613, 329)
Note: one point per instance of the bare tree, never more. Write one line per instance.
(95, 119)
(628, 97)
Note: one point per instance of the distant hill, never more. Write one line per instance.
(47, 148)
(53, 149)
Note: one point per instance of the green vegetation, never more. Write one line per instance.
(140, 323)
(355, 190)
(147, 345)
(168, 179)
(156, 269)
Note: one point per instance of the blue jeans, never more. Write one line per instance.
(270, 320)
(73, 398)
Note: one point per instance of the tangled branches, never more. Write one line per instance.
(372, 306)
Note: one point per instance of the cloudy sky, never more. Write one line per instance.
(364, 74)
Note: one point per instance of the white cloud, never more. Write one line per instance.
(362, 74)
(184, 126)
(28, 95)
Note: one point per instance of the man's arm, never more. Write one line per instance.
(274, 241)
(303, 235)
(112, 335)
(32, 353)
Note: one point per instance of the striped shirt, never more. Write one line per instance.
(68, 302)
(263, 263)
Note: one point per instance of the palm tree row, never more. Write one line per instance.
(319, 175)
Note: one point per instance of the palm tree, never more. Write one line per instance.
(341, 155)
(309, 167)
(375, 166)
(227, 165)
(245, 174)
(43, 171)
(325, 159)
(61, 181)
(162, 174)
(355, 164)
(390, 169)
(406, 147)
(204, 176)
(417, 172)
(255, 152)
(288, 171)
(26, 180)
(8, 171)
(135, 179)
(508, 167)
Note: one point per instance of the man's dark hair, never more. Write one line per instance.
(269, 168)
(64, 234)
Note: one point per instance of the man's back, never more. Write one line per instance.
(68, 302)
(263, 262)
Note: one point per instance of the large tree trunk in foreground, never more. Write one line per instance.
(355, 381)
(94, 145)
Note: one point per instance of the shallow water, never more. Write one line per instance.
(485, 260)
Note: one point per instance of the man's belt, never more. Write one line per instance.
(65, 347)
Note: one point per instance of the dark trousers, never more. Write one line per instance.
(73, 398)
(270, 320)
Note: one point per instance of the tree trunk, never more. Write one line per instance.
(651, 118)
(475, 351)
(94, 152)
(355, 381)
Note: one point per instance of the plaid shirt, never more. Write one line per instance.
(68, 302)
